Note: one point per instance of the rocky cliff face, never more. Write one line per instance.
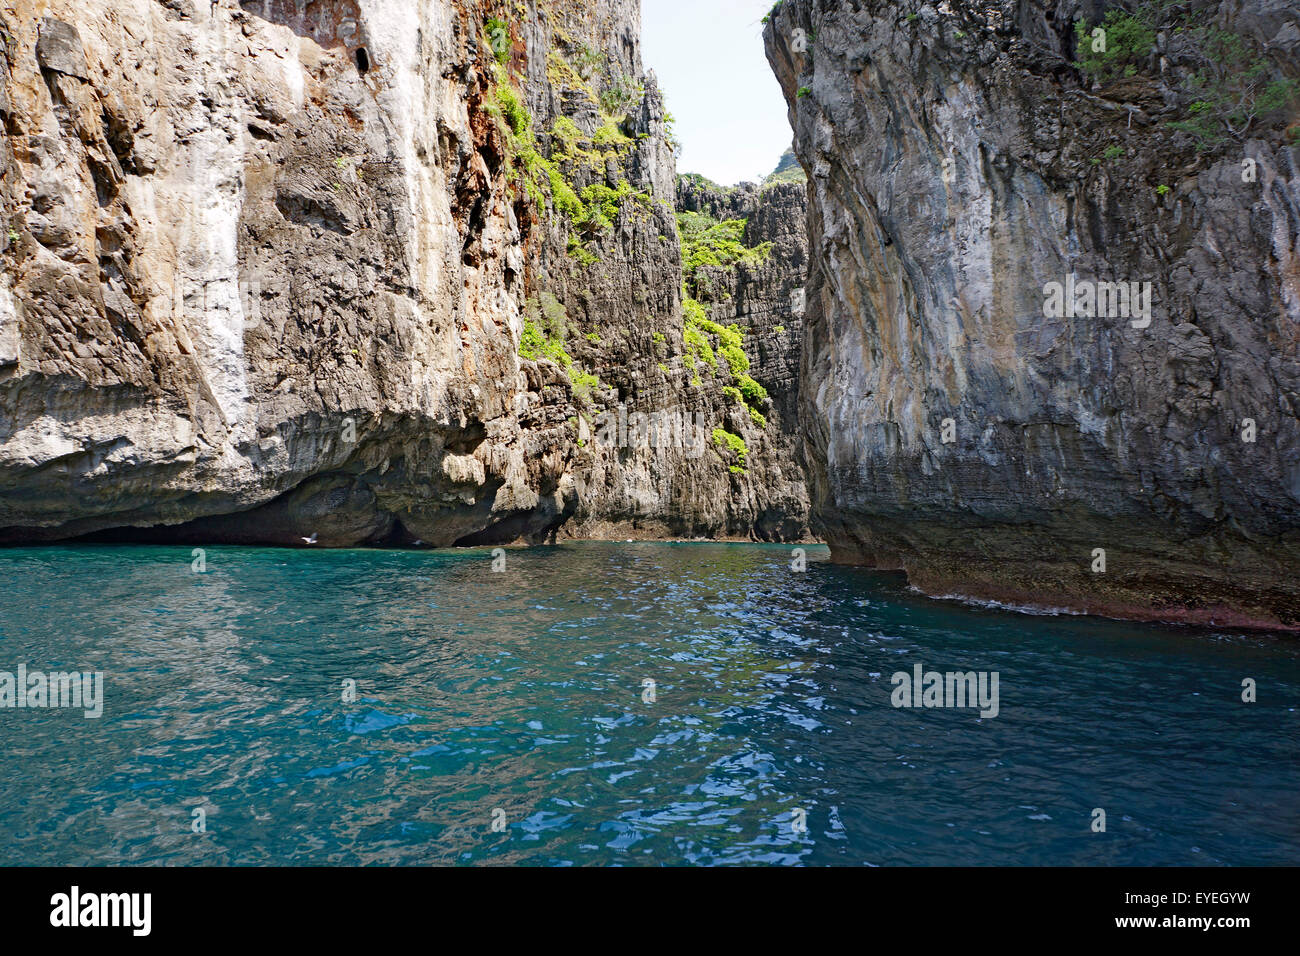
(762, 297)
(967, 427)
(350, 271)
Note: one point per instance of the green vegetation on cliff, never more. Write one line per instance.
(725, 440)
(787, 170)
(1226, 82)
(1127, 43)
(567, 170)
(700, 334)
(574, 170)
(546, 329)
(703, 182)
(546, 333)
(708, 242)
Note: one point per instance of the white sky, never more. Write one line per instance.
(708, 55)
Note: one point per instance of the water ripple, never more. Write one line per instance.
(509, 718)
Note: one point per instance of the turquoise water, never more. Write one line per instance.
(522, 692)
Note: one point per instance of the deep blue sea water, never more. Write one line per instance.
(518, 697)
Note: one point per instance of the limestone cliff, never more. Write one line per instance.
(971, 164)
(760, 295)
(350, 272)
